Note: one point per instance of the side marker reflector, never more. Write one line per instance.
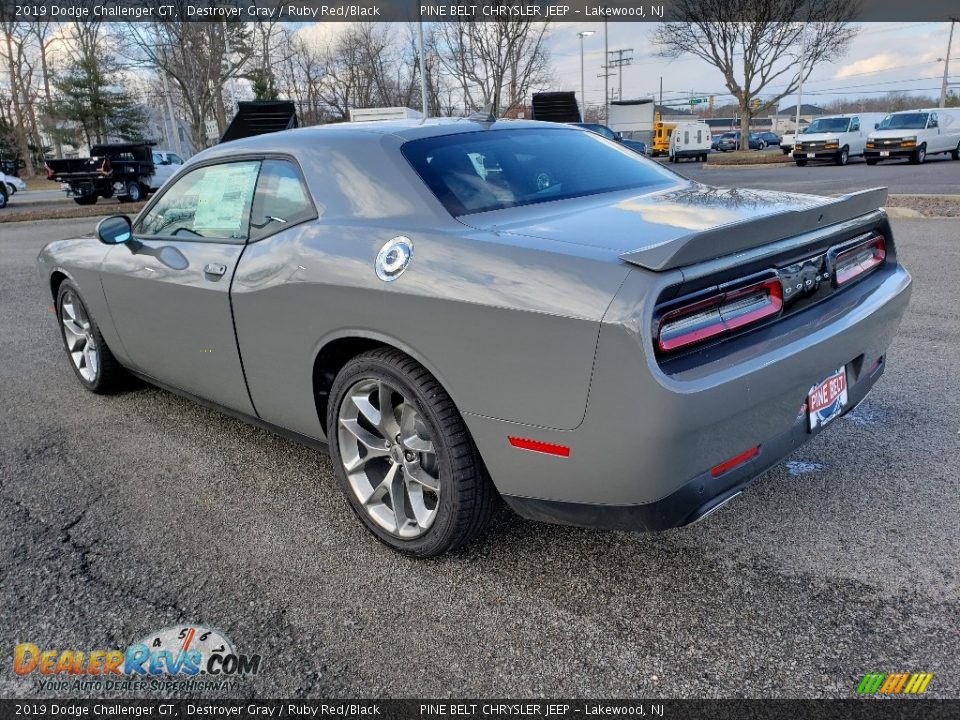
(540, 446)
(733, 462)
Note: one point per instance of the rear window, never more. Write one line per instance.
(479, 171)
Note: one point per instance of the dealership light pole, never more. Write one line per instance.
(946, 66)
(583, 94)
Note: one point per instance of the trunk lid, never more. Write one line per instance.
(679, 226)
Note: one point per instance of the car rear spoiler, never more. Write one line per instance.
(727, 239)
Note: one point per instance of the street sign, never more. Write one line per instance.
(697, 101)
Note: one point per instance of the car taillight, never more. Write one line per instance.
(858, 260)
(719, 314)
(49, 172)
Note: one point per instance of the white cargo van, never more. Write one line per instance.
(690, 140)
(835, 138)
(914, 134)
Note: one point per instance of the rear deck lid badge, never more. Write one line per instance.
(393, 258)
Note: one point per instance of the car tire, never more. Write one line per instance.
(94, 365)
(133, 192)
(786, 151)
(955, 153)
(844, 157)
(801, 163)
(872, 161)
(3, 199)
(85, 200)
(450, 503)
(763, 145)
(919, 155)
(11, 190)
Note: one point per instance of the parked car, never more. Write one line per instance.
(12, 183)
(731, 141)
(915, 134)
(460, 309)
(129, 171)
(690, 140)
(788, 141)
(767, 139)
(836, 138)
(604, 131)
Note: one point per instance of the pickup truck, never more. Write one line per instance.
(128, 171)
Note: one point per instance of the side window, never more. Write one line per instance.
(933, 120)
(174, 159)
(855, 125)
(281, 200)
(211, 202)
(157, 159)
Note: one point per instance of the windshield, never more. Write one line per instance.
(904, 121)
(826, 125)
(477, 171)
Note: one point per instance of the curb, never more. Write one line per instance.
(748, 166)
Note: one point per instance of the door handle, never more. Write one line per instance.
(217, 269)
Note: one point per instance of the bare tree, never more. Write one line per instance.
(494, 62)
(194, 57)
(765, 52)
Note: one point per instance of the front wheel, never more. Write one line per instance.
(844, 156)
(801, 163)
(85, 200)
(404, 457)
(90, 358)
(134, 192)
(3, 199)
(872, 161)
(955, 153)
(919, 155)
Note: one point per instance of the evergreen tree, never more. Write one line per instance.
(90, 95)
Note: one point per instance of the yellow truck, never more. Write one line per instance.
(662, 133)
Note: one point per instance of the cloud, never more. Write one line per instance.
(872, 64)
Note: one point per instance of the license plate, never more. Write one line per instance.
(827, 399)
(801, 155)
(884, 153)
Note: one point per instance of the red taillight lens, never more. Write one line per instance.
(719, 314)
(859, 260)
(49, 172)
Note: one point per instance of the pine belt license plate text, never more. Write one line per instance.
(827, 399)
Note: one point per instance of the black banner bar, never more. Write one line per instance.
(445, 10)
(873, 708)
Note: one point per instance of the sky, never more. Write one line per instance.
(883, 57)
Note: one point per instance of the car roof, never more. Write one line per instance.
(405, 130)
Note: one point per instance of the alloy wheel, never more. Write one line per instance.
(79, 337)
(388, 454)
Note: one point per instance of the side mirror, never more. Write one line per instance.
(618, 136)
(114, 230)
(876, 126)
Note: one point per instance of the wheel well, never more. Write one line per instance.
(55, 281)
(330, 361)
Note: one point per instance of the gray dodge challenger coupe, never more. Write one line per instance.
(460, 309)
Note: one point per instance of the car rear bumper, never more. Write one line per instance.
(695, 499)
(642, 457)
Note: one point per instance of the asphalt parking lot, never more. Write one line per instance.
(938, 176)
(126, 514)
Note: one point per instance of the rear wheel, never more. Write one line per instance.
(404, 457)
(3, 199)
(90, 358)
(844, 156)
(134, 192)
(85, 200)
(955, 153)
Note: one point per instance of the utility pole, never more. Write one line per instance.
(946, 66)
(606, 75)
(620, 63)
(803, 62)
(174, 128)
(423, 71)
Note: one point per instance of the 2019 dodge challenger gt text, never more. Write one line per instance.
(460, 309)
